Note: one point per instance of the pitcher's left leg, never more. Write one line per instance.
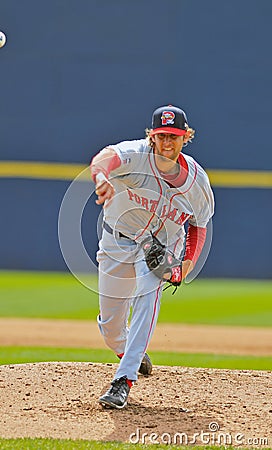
(146, 308)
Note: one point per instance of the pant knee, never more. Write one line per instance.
(114, 338)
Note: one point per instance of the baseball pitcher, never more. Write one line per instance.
(149, 189)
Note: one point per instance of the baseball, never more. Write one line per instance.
(2, 39)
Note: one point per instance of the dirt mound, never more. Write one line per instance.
(173, 405)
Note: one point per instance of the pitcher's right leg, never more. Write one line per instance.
(113, 322)
(116, 287)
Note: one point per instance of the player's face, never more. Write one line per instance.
(168, 145)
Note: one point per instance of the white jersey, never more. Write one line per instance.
(145, 202)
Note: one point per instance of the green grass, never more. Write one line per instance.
(221, 302)
(46, 295)
(20, 355)
(61, 444)
(17, 355)
(61, 296)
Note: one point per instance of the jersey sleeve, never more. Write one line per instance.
(130, 154)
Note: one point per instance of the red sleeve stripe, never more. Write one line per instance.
(194, 242)
(105, 165)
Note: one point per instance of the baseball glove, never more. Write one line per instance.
(161, 262)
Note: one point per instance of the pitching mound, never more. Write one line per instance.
(173, 405)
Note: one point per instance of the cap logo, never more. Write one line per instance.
(167, 117)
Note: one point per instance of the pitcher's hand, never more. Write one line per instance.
(103, 189)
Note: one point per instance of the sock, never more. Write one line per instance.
(130, 383)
